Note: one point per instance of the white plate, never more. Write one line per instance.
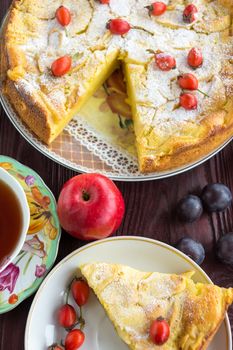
(140, 253)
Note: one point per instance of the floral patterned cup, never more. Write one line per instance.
(20, 194)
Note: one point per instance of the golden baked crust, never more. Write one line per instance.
(185, 153)
(133, 299)
(38, 106)
(166, 137)
(32, 112)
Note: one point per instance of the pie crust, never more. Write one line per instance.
(167, 136)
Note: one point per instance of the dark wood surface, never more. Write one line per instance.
(149, 208)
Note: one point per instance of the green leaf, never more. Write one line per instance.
(77, 55)
(122, 125)
(128, 123)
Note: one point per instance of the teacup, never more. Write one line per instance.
(11, 186)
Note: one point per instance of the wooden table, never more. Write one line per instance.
(149, 208)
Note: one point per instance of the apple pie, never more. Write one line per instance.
(175, 122)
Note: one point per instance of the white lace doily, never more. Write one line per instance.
(118, 159)
(120, 164)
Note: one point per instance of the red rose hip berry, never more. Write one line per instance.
(63, 16)
(104, 1)
(67, 316)
(118, 26)
(195, 58)
(190, 13)
(159, 331)
(188, 81)
(61, 66)
(80, 291)
(157, 8)
(74, 339)
(188, 101)
(165, 61)
(55, 347)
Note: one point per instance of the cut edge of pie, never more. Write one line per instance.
(133, 299)
(43, 118)
(217, 127)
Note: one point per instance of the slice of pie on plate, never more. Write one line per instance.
(133, 299)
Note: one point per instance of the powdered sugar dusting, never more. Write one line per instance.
(28, 87)
(122, 7)
(157, 92)
(101, 273)
(133, 299)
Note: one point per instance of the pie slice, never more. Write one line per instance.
(133, 299)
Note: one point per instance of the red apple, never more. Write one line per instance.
(90, 206)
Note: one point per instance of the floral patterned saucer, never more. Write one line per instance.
(24, 275)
